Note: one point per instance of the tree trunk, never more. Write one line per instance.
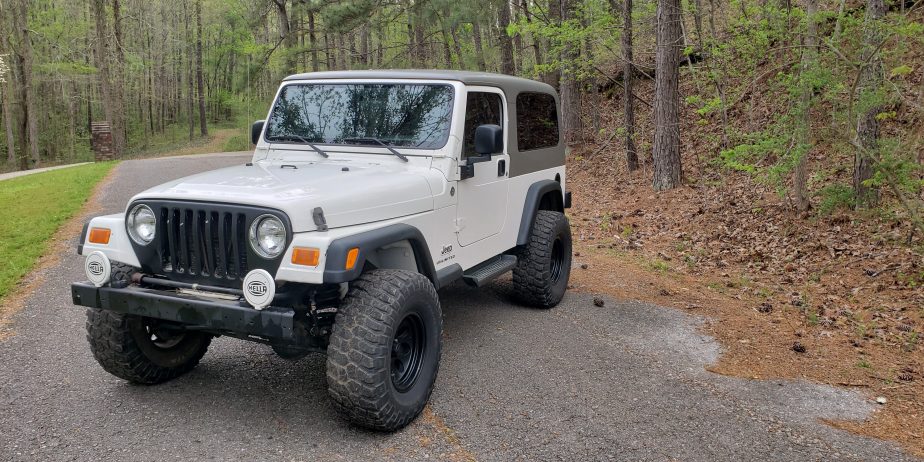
(447, 50)
(800, 172)
(479, 52)
(118, 81)
(313, 41)
(364, 45)
(419, 47)
(8, 125)
(340, 40)
(666, 145)
(537, 50)
(102, 63)
(457, 45)
(382, 36)
(698, 22)
(28, 126)
(506, 45)
(6, 88)
(570, 92)
(553, 77)
(203, 129)
(350, 49)
(867, 125)
(628, 75)
(328, 52)
(190, 77)
(288, 39)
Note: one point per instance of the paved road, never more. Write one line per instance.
(624, 382)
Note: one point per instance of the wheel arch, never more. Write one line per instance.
(541, 195)
(375, 246)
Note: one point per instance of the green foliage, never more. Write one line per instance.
(34, 207)
(900, 71)
(898, 166)
(659, 266)
(594, 30)
(236, 143)
(835, 196)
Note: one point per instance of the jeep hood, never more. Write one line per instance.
(350, 193)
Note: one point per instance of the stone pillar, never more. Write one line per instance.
(102, 141)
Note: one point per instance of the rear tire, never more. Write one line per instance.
(544, 263)
(136, 349)
(385, 349)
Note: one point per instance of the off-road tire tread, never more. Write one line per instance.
(360, 349)
(531, 276)
(117, 351)
(121, 275)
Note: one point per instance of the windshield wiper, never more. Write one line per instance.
(302, 140)
(378, 142)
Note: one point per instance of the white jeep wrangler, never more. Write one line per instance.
(368, 191)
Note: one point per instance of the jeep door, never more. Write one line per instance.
(482, 204)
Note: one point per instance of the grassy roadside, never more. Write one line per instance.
(34, 207)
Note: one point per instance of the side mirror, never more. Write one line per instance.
(489, 139)
(255, 131)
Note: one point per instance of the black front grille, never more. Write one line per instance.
(205, 243)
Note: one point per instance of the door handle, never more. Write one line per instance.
(501, 167)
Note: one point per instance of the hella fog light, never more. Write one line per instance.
(98, 268)
(259, 288)
(141, 224)
(268, 236)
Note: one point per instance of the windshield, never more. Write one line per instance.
(401, 115)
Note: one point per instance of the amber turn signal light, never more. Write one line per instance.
(100, 235)
(352, 255)
(306, 256)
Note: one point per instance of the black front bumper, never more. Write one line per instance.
(199, 313)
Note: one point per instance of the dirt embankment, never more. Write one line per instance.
(833, 297)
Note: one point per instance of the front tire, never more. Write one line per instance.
(141, 350)
(544, 263)
(385, 349)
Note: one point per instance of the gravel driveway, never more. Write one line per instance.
(625, 381)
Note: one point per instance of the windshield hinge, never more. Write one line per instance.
(318, 215)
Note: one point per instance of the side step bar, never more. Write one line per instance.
(489, 270)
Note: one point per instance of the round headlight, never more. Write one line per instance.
(268, 236)
(142, 224)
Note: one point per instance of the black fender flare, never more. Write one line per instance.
(369, 241)
(534, 196)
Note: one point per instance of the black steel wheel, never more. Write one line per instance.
(385, 349)
(557, 259)
(407, 350)
(161, 336)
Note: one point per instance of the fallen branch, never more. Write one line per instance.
(622, 84)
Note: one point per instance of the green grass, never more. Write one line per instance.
(237, 142)
(34, 207)
(657, 265)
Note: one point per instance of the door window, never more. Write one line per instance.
(480, 108)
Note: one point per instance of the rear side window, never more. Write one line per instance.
(480, 108)
(537, 121)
